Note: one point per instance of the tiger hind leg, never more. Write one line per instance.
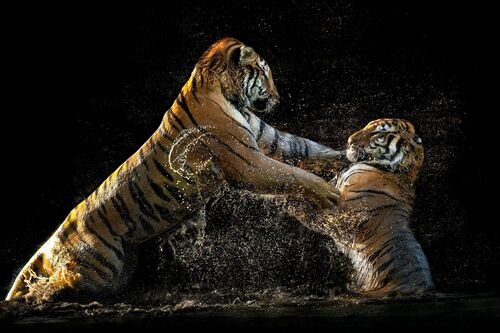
(37, 283)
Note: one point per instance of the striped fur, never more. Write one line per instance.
(371, 222)
(379, 188)
(209, 135)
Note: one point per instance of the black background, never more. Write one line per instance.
(88, 84)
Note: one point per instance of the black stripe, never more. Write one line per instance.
(381, 207)
(404, 212)
(393, 273)
(386, 264)
(89, 267)
(96, 255)
(170, 121)
(231, 150)
(274, 144)
(135, 174)
(370, 231)
(63, 235)
(377, 192)
(193, 88)
(181, 100)
(120, 169)
(165, 214)
(140, 198)
(163, 132)
(256, 78)
(392, 240)
(146, 226)
(158, 190)
(228, 147)
(405, 125)
(234, 121)
(294, 148)
(96, 192)
(122, 209)
(105, 185)
(237, 123)
(243, 114)
(229, 46)
(379, 253)
(390, 248)
(362, 223)
(163, 171)
(77, 256)
(378, 171)
(177, 119)
(105, 220)
(398, 148)
(262, 125)
(143, 159)
(385, 281)
(359, 197)
(300, 143)
(251, 75)
(243, 143)
(165, 150)
(369, 235)
(175, 192)
(117, 252)
(243, 127)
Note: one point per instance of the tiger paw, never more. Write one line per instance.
(319, 191)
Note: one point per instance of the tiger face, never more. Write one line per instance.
(259, 92)
(245, 79)
(391, 143)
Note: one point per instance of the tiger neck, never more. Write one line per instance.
(201, 98)
(361, 176)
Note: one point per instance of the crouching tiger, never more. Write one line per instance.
(371, 223)
(209, 135)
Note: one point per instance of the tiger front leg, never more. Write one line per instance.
(283, 146)
(262, 174)
(243, 165)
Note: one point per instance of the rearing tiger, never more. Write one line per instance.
(209, 135)
(371, 223)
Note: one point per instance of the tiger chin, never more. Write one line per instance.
(210, 135)
(371, 223)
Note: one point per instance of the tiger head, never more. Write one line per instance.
(390, 143)
(245, 78)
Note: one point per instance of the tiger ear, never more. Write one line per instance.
(234, 55)
(247, 55)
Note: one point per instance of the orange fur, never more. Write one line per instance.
(209, 135)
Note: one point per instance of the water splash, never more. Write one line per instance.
(187, 142)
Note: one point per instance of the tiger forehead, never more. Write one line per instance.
(390, 125)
